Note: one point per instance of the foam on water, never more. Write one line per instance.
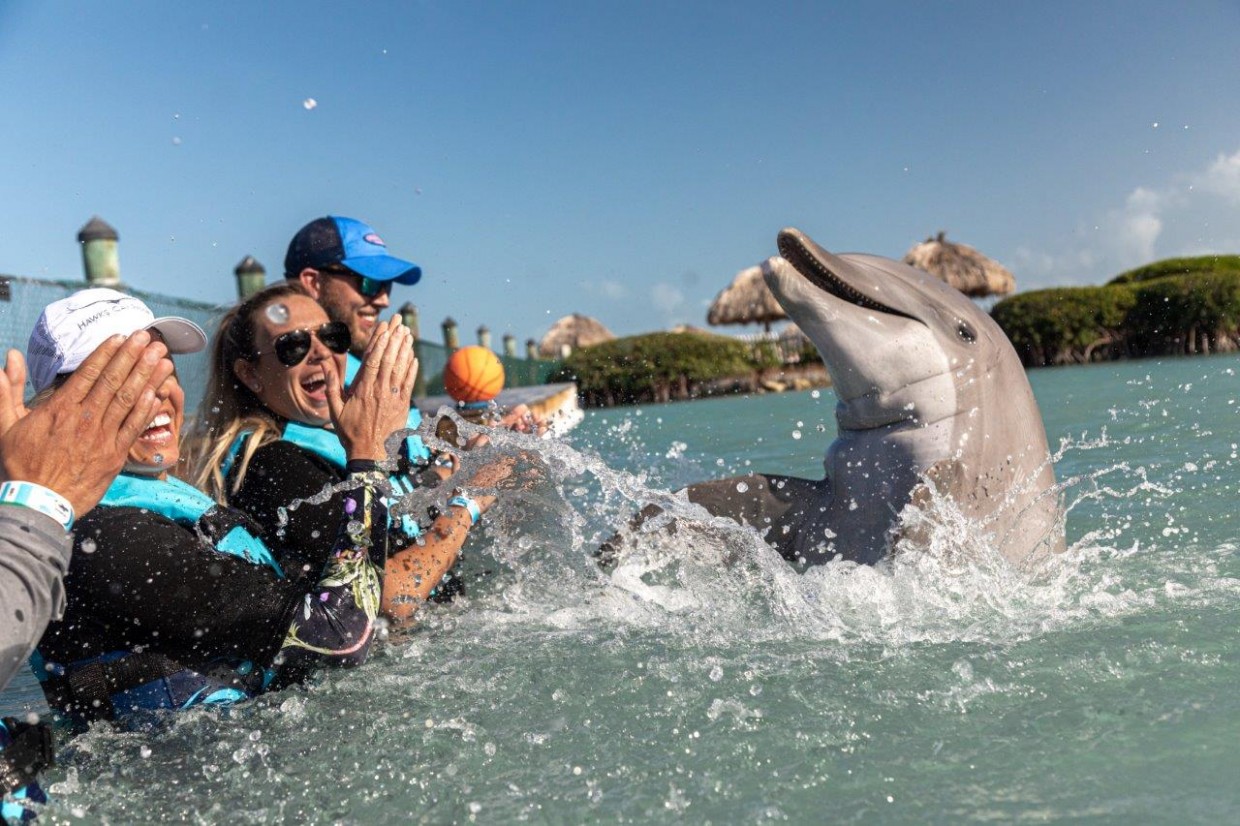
(686, 572)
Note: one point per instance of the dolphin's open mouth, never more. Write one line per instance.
(794, 249)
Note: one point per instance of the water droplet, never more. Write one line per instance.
(277, 313)
(159, 458)
(145, 751)
(88, 546)
(176, 141)
(741, 487)
(309, 103)
(814, 394)
(796, 434)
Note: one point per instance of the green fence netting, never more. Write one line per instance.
(22, 299)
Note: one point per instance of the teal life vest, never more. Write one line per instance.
(190, 507)
(120, 682)
(25, 750)
(324, 443)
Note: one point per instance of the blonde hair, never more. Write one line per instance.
(229, 408)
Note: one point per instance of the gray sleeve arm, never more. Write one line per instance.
(34, 555)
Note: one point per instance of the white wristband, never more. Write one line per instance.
(38, 498)
(461, 500)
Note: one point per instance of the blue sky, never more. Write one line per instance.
(624, 160)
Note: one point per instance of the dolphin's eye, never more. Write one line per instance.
(966, 332)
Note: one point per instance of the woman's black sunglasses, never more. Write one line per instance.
(291, 348)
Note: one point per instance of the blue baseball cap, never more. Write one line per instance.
(349, 243)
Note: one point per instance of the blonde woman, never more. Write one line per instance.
(267, 447)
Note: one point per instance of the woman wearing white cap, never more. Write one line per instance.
(174, 601)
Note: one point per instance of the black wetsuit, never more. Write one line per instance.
(281, 473)
(141, 583)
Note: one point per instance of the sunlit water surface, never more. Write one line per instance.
(942, 686)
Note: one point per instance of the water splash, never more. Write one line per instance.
(277, 313)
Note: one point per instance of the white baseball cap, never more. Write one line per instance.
(70, 329)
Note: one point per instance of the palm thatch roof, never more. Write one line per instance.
(747, 300)
(963, 267)
(575, 331)
(792, 333)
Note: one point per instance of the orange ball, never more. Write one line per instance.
(473, 374)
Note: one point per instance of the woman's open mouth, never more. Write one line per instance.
(315, 388)
(159, 431)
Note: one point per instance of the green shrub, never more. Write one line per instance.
(1193, 314)
(1175, 267)
(1066, 324)
(1180, 310)
(658, 367)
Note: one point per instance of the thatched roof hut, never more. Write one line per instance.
(963, 267)
(573, 331)
(747, 300)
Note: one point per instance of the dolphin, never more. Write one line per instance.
(931, 393)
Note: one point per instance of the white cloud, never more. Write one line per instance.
(667, 299)
(1222, 178)
(612, 290)
(1155, 221)
(1132, 232)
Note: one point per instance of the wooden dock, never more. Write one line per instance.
(557, 403)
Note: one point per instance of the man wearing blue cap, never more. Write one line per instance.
(345, 266)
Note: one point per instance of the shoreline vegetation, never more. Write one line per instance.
(663, 367)
(1179, 306)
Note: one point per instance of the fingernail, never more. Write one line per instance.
(142, 337)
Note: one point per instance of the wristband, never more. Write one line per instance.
(38, 498)
(463, 501)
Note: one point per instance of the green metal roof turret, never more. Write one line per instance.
(97, 229)
(100, 258)
(251, 277)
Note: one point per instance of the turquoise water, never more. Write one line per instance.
(942, 686)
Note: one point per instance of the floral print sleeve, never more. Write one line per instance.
(335, 623)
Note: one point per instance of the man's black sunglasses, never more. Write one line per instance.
(291, 348)
(368, 287)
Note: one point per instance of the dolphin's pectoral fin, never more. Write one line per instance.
(774, 505)
(945, 478)
(608, 554)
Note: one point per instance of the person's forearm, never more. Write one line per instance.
(336, 621)
(414, 572)
(34, 555)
